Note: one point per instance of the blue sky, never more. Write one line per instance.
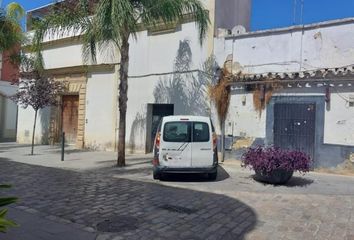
(267, 14)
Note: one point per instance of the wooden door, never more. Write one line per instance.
(70, 112)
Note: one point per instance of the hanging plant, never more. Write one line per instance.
(220, 95)
(262, 94)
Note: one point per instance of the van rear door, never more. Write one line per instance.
(202, 145)
(176, 148)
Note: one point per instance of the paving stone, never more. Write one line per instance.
(234, 212)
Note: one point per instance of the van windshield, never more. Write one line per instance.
(182, 132)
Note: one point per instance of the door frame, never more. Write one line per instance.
(319, 102)
(74, 85)
(62, 114)
(149, 115)
(311, 130)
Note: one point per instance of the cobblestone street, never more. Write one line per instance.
(314, 206)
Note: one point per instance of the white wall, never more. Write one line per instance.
(245, 120)
(291, 50)
(70, 54)
(157, 55)
(9, 111)
(288, 50)
(100, 127)
(339, 120)
(25, 126)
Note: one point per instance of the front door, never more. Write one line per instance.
(70, 112)
(294, 126)
(158, 112)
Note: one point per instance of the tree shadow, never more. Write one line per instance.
(6, 147)
(186, 90)
(93, 197)
(298, 182)
(137, 130)
(44, 116)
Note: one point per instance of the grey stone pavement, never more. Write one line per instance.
(85, 197)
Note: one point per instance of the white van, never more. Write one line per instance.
(185, 144)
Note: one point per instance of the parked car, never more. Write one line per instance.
(185, 144)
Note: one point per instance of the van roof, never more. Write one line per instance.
(186, 117)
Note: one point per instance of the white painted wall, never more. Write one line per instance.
(156, 55)
(100, 127)
(290, 50)
(9, 110)
(25, 126)
(293, 49)
(70, 54)
(339, 120)
(246, 122)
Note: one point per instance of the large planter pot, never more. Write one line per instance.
(278, 176)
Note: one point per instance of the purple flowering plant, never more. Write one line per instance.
(267, 159)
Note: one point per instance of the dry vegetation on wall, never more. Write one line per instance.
(262, 94)
(220, 95)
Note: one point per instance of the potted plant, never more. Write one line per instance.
(275, 165)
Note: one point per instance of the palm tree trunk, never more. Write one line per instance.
(34, 130)
(123, 99)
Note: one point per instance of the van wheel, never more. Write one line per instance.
(156, 175)
(212, 176)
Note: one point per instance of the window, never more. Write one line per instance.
(181, 132)
(177, 132)
(201, 132)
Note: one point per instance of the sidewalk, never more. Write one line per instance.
(74, 159)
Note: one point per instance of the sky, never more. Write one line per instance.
(268, 14)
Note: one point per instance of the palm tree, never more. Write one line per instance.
(114, 21)
(10, 28)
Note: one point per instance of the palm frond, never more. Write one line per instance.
(15, 11)
(10, 29)
(68, 18)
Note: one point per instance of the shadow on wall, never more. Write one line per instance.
(44, 116)
(137, 131)
(187, 91)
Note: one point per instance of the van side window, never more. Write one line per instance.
(201, 132)
(177, 132)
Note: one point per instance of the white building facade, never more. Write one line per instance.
(169, 73)
(306, 70)
(8, 109)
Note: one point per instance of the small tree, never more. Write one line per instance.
(37, 91)
(220, 95)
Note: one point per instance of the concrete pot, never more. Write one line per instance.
(278, 176)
